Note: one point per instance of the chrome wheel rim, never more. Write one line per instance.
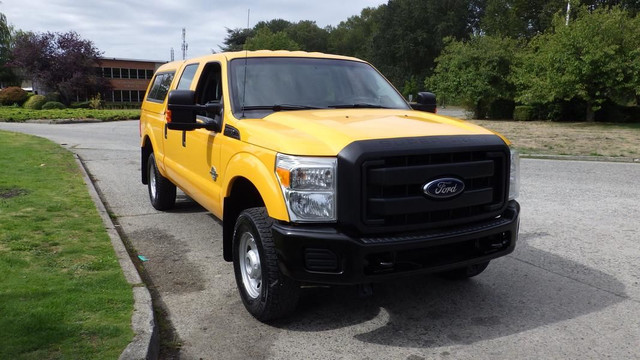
(152, 182)
(250, 265)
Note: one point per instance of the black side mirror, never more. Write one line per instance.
(184, 110)
(426, 101)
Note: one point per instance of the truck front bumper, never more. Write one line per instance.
(325, 255)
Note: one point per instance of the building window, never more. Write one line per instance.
(108, 96)
(117, 95)
(124, 73)
(126, 95)
(141, 95)
(106, 72)
(149, 74)
(116, 73)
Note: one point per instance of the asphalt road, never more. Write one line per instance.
(571, 289)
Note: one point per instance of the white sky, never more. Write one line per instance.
(149, 29)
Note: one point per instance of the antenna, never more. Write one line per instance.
(246, 55)
(172, 55)
(185, 46)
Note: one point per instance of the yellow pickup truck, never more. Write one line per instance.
(323, 174)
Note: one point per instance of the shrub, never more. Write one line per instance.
(501, 109)
(52, 96)
(53, 105)
(96, 102)
(523, 113)
(80, 105)
(13, 95)
(35, 102)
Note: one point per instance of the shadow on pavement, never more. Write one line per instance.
(511, 297)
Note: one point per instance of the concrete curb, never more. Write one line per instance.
(581, 158)
(145, 343)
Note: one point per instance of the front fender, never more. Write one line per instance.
(258, 168)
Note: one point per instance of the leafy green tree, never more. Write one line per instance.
(236, 38)
(264, 39)
(7, 75)
(309, 36)
(519, 18)
(593, 59)
(275, 25)
(475, 73)
(410, 35)
(354, 36)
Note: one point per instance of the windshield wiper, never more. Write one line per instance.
(358, 105)
(280, 107)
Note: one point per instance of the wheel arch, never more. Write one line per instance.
(242, 195)
(145, 151)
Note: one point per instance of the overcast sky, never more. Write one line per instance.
(149, 29)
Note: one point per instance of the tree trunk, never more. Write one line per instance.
(591, 115)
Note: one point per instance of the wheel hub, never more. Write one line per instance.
(250, 265)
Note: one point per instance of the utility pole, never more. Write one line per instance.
(185, 46)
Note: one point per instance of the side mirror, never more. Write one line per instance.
(183, 111)
(426, 101)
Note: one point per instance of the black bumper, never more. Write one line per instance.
(325, 255)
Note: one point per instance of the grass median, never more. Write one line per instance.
(17, 114)
(62, 291)
(574, 138)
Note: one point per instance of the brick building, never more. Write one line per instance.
(128, 77)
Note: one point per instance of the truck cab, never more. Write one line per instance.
(323, 174)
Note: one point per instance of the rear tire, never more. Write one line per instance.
(162, 192)
(465, 272)
(266, 293)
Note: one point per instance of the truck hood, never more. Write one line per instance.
(326, 132)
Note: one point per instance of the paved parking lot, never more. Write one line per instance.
(570, 290)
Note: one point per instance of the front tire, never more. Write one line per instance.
(266, 293)
(162, 192)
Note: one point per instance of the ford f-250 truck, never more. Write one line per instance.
(323, 174)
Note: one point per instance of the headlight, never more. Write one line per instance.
(309, 187)
(514, 177)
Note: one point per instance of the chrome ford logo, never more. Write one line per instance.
(443, 188)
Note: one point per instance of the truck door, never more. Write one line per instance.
(195, 155)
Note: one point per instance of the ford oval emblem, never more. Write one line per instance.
(443, 188)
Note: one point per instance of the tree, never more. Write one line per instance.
(264, 39)
(236, 38)
(593, 59)
(7, 76)
(354, 36)
(410, 35)
(61, 62)
(519, 18)
(475, 73)
(309, 36)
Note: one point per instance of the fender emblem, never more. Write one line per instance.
(214, 173)
(443, 188)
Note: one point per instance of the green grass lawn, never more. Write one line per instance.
(17, 114)
(62, 291)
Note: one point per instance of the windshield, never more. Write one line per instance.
(279, 84)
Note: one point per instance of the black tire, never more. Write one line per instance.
(162, 192)
(255, 264)
(465, 272)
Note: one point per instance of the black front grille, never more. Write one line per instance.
(391, 173)
(394, 196)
